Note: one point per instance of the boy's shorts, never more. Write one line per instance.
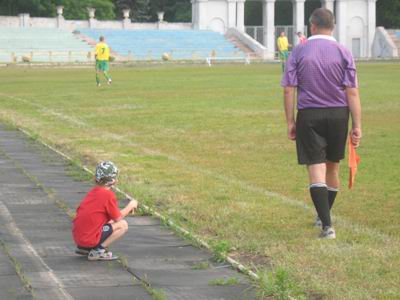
(102, 65)
(321, 134)
(106, 231)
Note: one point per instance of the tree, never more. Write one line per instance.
(388, 13)
(36, 8)
(140, 9)
(73, 9)
(77, 9)
(178, 10)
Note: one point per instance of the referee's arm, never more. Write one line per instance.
(353, 99)
(289, 101)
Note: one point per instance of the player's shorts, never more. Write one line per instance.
(321, 134)
(102, 65)
(284, 55)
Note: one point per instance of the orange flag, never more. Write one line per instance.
(354, 160)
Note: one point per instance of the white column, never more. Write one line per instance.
(202, 14)
(60, 19)
(328, 4)
(195, 24)
(341, 21)
(240, 15)
(298, 17)
(231, 13)
(92, 20)
(24, 20)
(371, 26)
(269, 26)
(126, 22)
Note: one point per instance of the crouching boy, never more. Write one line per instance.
(99, 222)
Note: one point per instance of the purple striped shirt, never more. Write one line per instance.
(320, 69)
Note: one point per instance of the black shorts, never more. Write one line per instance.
(321, 134)
(106, 231)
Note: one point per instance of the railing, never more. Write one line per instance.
(210, 60)
(82, 56)
(47, 56)
(257, 32)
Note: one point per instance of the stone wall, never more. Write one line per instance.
(10, 22)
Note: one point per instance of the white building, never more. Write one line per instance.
(355, 20)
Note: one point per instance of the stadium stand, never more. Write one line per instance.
(58, 45)
(179, 44)
(394, 34)
(41, 44)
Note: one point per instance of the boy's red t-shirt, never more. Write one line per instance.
(97, 208)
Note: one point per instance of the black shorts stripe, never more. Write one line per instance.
(321, 134)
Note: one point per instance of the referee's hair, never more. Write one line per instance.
(101, 38)
(322, 18)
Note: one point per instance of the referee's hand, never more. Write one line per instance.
(355, 136)
(291, 131)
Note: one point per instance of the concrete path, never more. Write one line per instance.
(36, 195)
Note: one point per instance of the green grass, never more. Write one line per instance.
(224, 281)
(208, 147)
(279, 285)
(203, 265)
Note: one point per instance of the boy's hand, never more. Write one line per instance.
(133, 204)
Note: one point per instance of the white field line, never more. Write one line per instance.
(30, 250)
(356, 228)
(45, 110)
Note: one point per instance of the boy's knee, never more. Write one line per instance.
(124, 225)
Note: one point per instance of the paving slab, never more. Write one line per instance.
(105, 293)
(152, 253)
(12, 288)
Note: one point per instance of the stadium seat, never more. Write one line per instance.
(179, 44)
(41, 45)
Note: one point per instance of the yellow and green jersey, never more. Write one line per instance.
(283, 43)
(102, 51)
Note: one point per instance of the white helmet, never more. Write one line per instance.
(106, 172)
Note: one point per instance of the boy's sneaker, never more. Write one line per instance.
(328, 233)
(82, 250)
(101, 254)
(109, 81)
(318, 222)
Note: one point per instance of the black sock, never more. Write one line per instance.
(99, 247)
(319, 195)
(332, 192)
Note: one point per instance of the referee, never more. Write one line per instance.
(323, 73)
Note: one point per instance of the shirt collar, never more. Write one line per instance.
(322, 36)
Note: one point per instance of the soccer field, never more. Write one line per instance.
(208, 147)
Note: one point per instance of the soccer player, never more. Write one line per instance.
(324, 74)
(283, 48)
(99, 222)
(302, 38)
(102, 55)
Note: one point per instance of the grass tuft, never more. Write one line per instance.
(220, 250)
(224, 281)
(279, 285)
(203, 265)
